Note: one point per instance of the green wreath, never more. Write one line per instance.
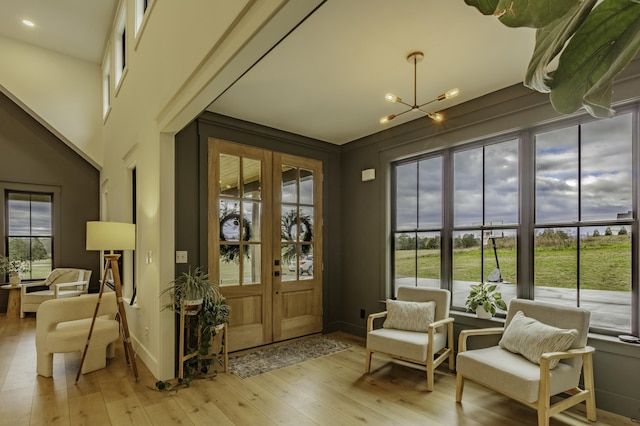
(288, 223)
(231, 252)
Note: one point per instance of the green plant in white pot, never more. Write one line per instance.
(484, 300)
(191, 288)
(206, 311)
(14, 268)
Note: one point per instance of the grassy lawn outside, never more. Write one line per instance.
(605, 264)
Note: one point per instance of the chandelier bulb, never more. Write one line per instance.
(387, 118)
(391, 97)
(452, 93)
(437, 117)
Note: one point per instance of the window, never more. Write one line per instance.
(29, 236)
(134, 216)
(418, 222)
(485, 218)
(141, 13)
(106, 88)
(584, 218)
(120, 43)
(548, 214)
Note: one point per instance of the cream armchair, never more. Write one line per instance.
(61, 282)
(417, 328)
(62, 325)
(541, 353)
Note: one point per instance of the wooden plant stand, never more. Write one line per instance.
(220, 353)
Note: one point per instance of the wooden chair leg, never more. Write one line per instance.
(367, 367)
(430, 375)
(589, 386)
(459, 387)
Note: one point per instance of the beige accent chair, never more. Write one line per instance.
(62, 325)
(420, 340)
(525, 381)
(61, 282)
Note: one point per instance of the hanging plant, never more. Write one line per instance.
(593, 45)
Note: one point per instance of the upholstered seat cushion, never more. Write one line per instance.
(408, 344)
(512, 373)
(71, 336)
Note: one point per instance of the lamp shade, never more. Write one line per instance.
(111, 236)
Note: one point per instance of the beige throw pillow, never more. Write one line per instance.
(411, 316)
(62, 275)
(531, 338)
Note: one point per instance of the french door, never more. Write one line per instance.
(265, 242)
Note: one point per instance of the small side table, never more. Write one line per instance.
(13, 304)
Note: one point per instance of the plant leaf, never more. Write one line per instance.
(486, 7)
(524, 13)
(603, 45)
(550, 40)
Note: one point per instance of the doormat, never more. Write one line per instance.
(265, 360)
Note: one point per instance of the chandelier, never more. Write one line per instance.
(414, 58)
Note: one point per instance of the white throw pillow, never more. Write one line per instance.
(411, 316)
(531, 338)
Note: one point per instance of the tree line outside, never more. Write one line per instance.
(33, 251)
(604, 259)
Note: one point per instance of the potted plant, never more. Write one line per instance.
(13, 268)
(191, 289)
(483, 299)
(205, 314)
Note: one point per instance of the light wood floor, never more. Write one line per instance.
(327, 391)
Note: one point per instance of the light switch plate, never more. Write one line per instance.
(181, 257)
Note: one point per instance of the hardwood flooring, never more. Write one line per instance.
(327, 391)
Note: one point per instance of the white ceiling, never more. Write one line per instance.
(328, 78)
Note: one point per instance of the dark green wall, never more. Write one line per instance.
(365, 220)
(356, 231)
(191, 193)
(31, 155)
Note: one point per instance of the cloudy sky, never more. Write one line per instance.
(603, 185)
(29, 216)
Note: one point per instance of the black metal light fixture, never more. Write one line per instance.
(414, 58)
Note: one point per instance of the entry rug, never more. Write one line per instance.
(265, 360)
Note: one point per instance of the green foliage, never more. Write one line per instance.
(622, 231)
(38, 250)
(19, 249)
(593, 42)
(466, 241)
(608, 231)
(191, 285)
(485, 295)
(296, 227)
(201, 327)
(11, 265)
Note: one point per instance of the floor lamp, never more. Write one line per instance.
(112, 236)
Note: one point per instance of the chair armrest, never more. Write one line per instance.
(373, 317)
(25, 286)
(58, 286)
(464, 334)
(571, 353)
(546, 358)
(443, 321)
(440, 323)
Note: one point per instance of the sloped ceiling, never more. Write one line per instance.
(327, 79)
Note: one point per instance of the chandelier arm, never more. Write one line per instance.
(403, 112)
(400, 101)
(429, 102)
